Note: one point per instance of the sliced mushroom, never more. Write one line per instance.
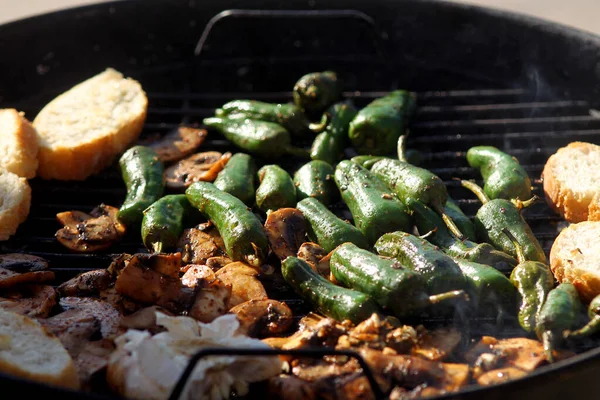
(216, 263)
(30, 300)
(313, 332)
(198, 246)
(178, 144)
(10, 279)
(212, 298)
(437, 344)
(244, 283)
(312, 253)
(166, 263)
(263, 317)
(92, 232)
(455, 377)
(18, 262)
(195, 168)
(86, 284)
(500, 375)
(148, 286)
(286, 230)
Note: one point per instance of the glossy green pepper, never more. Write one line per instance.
(376, 128)
(316, 91)
(534, 281)
(593, 326)
(504, 177)
(374, 209)
(143, 174)
(237, 178)
(326, 228)
(287, 115)
(496, 215)
(440, 271)
(261, 138)
(315, 179)
(366, 161)
(329, 145)
(409, 181)
(276, 189)
(242, 233)
(163, 222)
(387, 281)
(429, 223)
(463, 223)
(558, 315)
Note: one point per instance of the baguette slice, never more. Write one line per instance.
(28, 351)
(18, 144)
(574, 258)
(572, 182)
(15, 200)
(82, 131)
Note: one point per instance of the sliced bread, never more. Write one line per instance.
(574, 258)
(572, 182)
(15, 200)
(18, 144)
(82, 131)
(28, 351)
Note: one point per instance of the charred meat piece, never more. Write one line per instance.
(212, 298)
(437, 344)
(87, 233)
(289, 387)
(31, 300)
(286, 230)
(263, 317)
(244, 283)
(18, 262)
(148, 286)
(178, 144)
(198, 246)
(195, 168)
(88, 283)
(10, 278)
(86, 329)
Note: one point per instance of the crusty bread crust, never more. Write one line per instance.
(574, 258)
(18, 144)
(563, 194)
(52, 366)
(82, 131)
(15, 200)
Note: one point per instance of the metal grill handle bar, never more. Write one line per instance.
(312, 353)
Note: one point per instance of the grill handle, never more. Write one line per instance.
(359, 16)
(311, 353)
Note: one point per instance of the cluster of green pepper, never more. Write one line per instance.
(376, 263)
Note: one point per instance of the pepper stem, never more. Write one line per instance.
(157, 247)
(452, 295)
(431, 232)
(319, 127)
(592, 327)
(519, 249)
(402, 148)
(448, 221)
(296, 151)
(524, 204)
(548, 340)
(476, 189)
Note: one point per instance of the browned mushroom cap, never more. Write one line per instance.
(198, 167)
(178, 144)
(263, 317)
(286, 229)
(90, 232)
(18, 262)
(244, 283)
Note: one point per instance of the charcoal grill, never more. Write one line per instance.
(482, 77)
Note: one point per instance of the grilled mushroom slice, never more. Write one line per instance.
(30, 300)
(178, 144)
(263, 317)
(195, 168)
(86, 233)
(18, 262)
(212, 298)
(244, 283)
(500, 375)
(86, 284)
(10, 279)
(198, 246)
(286, 230)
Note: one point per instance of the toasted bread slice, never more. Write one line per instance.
(82, 131)
(28, 351)
(18, 144)
(574, 258)
(572, 182)
(15, 200)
